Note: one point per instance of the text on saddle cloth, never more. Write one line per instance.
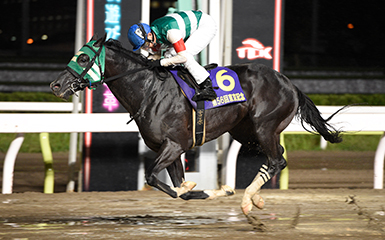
(225, 83)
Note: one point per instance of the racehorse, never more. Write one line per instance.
(163, 114)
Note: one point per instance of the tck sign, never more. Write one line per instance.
(253, 49)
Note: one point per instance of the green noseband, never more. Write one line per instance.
(94, 71)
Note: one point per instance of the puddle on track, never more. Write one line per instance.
(134, 220)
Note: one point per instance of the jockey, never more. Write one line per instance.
(182, 35)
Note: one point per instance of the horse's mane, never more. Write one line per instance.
(117, 45)
(137, 57)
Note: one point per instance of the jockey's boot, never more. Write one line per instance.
(205, 91)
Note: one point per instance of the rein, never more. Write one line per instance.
(157, 74)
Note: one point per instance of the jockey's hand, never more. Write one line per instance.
(153, 64)
(154, 57)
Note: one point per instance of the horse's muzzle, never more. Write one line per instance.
(59, 91)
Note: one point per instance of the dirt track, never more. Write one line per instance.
(330, 198)
(291, 214)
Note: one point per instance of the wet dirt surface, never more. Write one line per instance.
(290, 214)
(326, 200)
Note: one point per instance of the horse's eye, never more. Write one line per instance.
(83, 59)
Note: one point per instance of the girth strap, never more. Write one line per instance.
(199, 130)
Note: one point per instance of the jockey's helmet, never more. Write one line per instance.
(137, 34)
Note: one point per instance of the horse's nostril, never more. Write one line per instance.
(56, 87)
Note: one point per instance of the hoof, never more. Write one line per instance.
(258, 201)
(185, 187)
(189, 185)
(223, 192)
(246, 207)
(227, 190)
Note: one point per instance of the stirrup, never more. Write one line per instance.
(207, 93)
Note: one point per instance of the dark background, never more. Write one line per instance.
(316, 33)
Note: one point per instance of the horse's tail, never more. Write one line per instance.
(308, 113)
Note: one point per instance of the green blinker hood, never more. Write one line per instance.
(94, 71)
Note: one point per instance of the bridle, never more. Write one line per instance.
(92, 74)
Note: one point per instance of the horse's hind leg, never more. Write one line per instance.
(275, 163)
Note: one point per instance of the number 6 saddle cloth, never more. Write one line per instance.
(225, 83)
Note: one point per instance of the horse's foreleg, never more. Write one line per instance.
(167, 155)
(223, 192)
(175, 169)
(176, 173)
(209, 194)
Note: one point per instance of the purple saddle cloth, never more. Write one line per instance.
(225, 83)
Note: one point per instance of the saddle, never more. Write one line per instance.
(225, 84)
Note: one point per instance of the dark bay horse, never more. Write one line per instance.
(164, 118)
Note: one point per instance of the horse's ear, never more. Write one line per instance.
(94, 37)
(100, 41)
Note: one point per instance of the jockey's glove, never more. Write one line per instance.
(181, 57)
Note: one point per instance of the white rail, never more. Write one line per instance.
(38, 106)
(353, 120)
(65, 122)
(22, 123)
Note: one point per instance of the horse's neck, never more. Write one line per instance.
(138, 91)
(130, 91)
(135, 89)
(123, 87)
